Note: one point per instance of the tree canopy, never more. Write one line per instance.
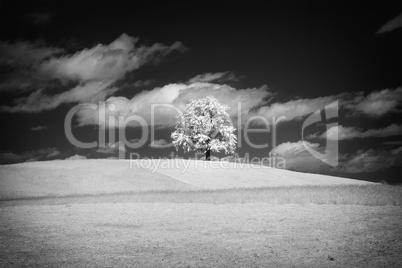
(205, 126)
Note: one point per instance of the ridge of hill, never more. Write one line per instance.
(102, 176)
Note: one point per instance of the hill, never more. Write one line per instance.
(100, 176)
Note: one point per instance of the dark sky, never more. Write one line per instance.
(307, 53)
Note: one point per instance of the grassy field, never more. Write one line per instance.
(365, 195)
(94, 177)
(102, 214)
(200, 235)
(77, 177)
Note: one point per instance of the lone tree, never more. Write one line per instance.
(205, 126)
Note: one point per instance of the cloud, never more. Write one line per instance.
(369, 161)
(37, 128)
(377, 103)
(392, 142)
(39, 101)
(112, 148)
(29, 156)
(348, 133)
(25, 53)
(397, 151)
(296, 109)
(106, 62)
(158, 143)
(391, 25)
(94, 70)
(175, 95)
(254, 102)
(299, 159)
(209, 77)
(53, 153)
(142, 83)
(19, 62)
(76, 157)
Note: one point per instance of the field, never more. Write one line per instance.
(103, 213)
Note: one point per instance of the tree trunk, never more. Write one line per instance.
(208, 155)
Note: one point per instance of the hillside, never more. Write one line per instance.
(98, 176)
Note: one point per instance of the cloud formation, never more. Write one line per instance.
(29, 156)
(391, 25)
(369, 160)
(297, 158)
(76, 157)
(141, 83)
(210, 77)
(18, 62)
(243, 104)
(94, 70)
(377, 103)
(39, 101)
(348, 133)
(112, 148)
(106, 62)
(296, 109)
(175, 96)
(25, 53)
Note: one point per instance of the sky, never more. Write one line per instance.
(279, 59)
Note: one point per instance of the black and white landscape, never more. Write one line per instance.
(200, 133)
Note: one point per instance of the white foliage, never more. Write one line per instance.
(204, 124)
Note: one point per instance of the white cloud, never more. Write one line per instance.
(209, 77)
(25, 53)
(299, 159)
(391, 25)
(348, 133)
(19, 62)
(296, 109)
(111, 148)
(76, 157)
(106, 62)
(176, 95)
(37, 128)
(34, 155)
(377, 103)
(368, 161)
(53, 153)
(254, 101)
(158, 143)
(38, 101)
(95, 69)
